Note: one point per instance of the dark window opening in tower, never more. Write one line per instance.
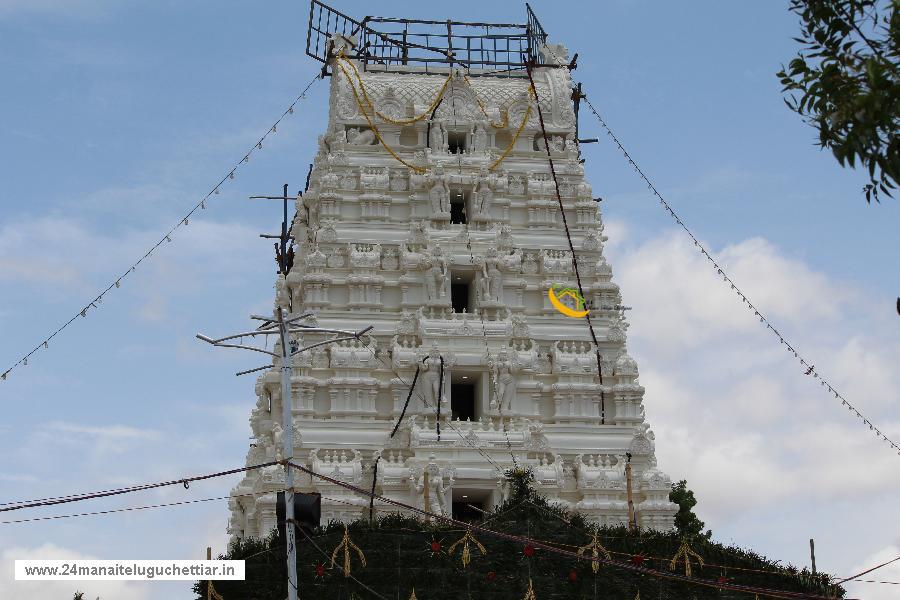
(459, 201)
(462, 399)
(456, 142)
(462, 291)
(464, 510)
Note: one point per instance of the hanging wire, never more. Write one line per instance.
(720, 271)
(167, 237)
(565, 223)
(11, 506)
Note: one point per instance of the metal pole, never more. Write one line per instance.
(812, 554)
(288, 451)
(632, 521)
(287, 419)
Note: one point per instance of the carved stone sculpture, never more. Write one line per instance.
(437, 275)
(360, 138)
(439, 194)
(431, 379)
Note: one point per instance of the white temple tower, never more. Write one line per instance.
(445, 234)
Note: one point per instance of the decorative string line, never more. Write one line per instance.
(340, 501)
(538, 544)
(185, 481)
(149, 506)
(406, 404)
(182, 222)
(810, 368)
(867, 571)
(565, 223)
(116, 510)
(415, 119)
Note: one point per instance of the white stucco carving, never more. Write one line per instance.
(375, 245)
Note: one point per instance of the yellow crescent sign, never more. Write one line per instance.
(558, 305)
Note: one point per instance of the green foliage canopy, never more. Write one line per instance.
(844, 82)
(686, 522)
(403, 553)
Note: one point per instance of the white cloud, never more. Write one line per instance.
(62, 257)
(97, 443)
(109, 432)
(10, 589)
(681, 302)
(733, 412)
(876, 591)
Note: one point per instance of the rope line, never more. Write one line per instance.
(867, 571)
(185, 481)
(459, 433)
(426, 404)
(810, 367)
(565, 222)
(167, 237)
(372, 508)
(406, 404)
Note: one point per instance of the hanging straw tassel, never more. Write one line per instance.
(685, 553)
(347, 545)
(466, 553)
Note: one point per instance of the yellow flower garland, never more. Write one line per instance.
(362, 109)
(391, 120)
(421, 170)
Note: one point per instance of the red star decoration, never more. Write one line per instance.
(529, 551)
(491, 575)
(320, 570)
(573, 575)
(638, 560)
(435, 547)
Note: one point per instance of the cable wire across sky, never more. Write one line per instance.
(810, 367)
(166, 238)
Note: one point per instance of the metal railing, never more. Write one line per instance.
(389, 43)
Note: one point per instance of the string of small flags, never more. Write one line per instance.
(810, 368)
(166, 238)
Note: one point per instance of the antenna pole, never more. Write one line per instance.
(285, 324)
(632, 521)
(287, 420)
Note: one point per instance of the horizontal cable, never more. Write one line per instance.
(185, 481)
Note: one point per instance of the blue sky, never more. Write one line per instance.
(116, 117)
